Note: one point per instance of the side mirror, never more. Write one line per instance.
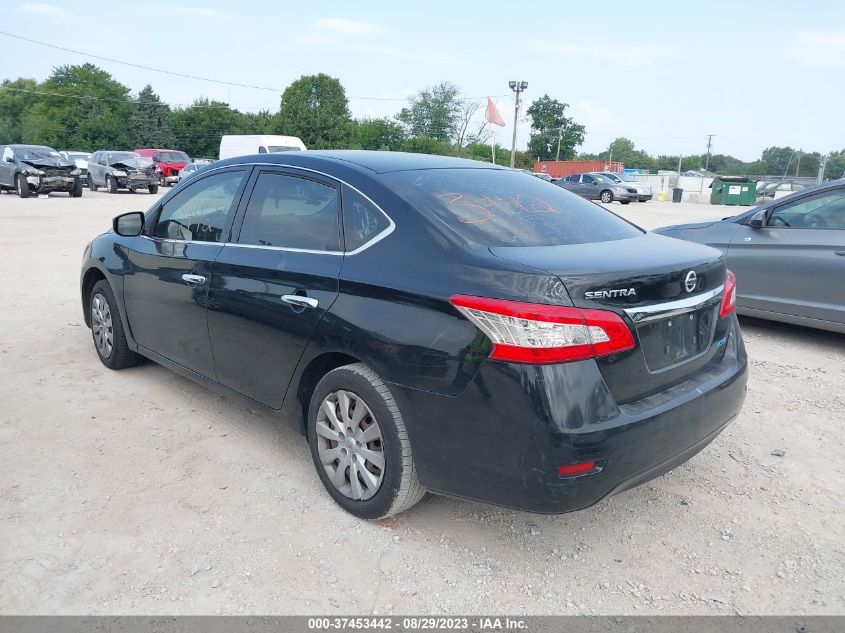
(758, 220)
(129, 224)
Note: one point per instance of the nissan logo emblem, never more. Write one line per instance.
(691, 281)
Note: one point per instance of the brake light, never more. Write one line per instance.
(728, 296)
(537, 333)
(569, 470)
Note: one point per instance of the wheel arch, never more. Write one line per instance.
(313, 372)
(89, 280)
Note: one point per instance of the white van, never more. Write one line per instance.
(232, 145)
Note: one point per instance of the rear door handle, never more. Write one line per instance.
(300, 301)
(193, 280)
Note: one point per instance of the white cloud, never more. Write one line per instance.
(365, 37)
(824, 50)
(607, 50)
(192, 12)
(46, 10)
(596, 117)
(347, 28)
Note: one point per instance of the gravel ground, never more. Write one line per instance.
(139, 492)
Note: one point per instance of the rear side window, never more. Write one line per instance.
(499, 207)
(291, 212)
(362, 221)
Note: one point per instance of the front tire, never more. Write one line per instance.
(153, 188)
(76, 192)
(107, 329)
(360, 446)
(606, 196)
(22, 186)
(111, 183)
(625, 201)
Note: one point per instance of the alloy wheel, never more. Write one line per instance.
(101, 325)
(350, 445)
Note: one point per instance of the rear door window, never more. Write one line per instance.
(293, 212)
(500, 207)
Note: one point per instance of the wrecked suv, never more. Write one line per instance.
(121, 170)
(30, 169)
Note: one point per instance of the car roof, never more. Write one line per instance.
(373, 161)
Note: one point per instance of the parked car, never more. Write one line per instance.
(189, 170)
(29, 169)
(121, 170)
(598, 187)
(542, 176)
(644, 192)
(779, 189)
(81, 161)
(168, 163)
(232, 145)
(432, 323)
(202, 162)
(788, 255)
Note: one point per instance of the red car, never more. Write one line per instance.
(168, 163)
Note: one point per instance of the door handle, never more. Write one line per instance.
(840, 253)
(192, 280)
(300, 301)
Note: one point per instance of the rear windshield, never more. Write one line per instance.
(498, 207)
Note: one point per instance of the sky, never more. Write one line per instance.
(664, 74)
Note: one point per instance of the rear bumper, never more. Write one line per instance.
(502, 441)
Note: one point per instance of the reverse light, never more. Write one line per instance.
(542, 334)
(728, 296)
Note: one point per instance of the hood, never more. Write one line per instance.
(47, 162)
(683, 227)
(138, 162)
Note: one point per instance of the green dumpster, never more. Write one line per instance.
(733, 190)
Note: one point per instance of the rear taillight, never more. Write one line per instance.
(538, 333)
(728, 296)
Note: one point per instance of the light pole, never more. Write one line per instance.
(517, 87)
(559, 139)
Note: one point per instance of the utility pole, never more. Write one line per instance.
(709, 143)
(822, 166)
(517, 87)
(798, 163)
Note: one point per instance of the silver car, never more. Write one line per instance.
(788, 256)
(597, 187)
(644, 191)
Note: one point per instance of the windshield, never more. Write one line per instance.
(281, 148)
(174, 157)
(116, 157)
(611, 177)
(504, 208)
(35, 153)
(627, 177)
(605, 179)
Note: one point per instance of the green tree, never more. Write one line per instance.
(835, 167)
(426, 145)
(622, 150)
(383, 134)
(548, 123)
(260, 122)
(778, 160)
(433, 113)
(13, 105)
(93, 115)
(149, 123)
(198, 128)
(315, 108)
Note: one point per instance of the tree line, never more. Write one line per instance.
(82, 107)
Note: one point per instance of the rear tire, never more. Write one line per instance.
(606, 196)
(91, 184)
(153, 188)
(107, 329)
(22, 186)
(111, 183)
(365, 438)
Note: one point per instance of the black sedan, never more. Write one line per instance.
(788, 255)
(434, 324)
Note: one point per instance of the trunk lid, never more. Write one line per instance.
(666, 290)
